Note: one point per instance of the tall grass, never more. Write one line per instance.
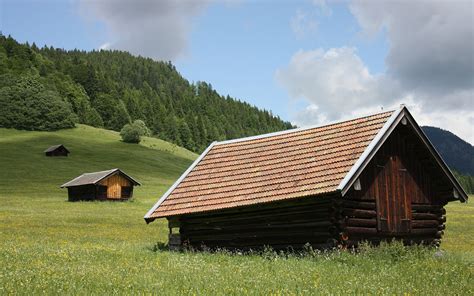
(50, 246)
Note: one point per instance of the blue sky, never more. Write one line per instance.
(309, 62)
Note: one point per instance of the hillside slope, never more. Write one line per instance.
(111, 88)
(51, 246)
(28, 173)
(457, 153)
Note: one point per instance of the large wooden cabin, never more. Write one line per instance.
(105, 185)
(57, 150)
(368, 179)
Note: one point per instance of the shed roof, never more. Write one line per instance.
(54, 147)
(289, 164)
(96, 177)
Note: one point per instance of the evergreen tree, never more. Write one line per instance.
(112, 88)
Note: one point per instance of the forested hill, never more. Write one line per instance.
(111, 88)
(457, 153)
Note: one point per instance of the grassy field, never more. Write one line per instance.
(50, 246)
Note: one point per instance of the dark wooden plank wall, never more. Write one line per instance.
(86, 192)
(280, 225)
(403, 194)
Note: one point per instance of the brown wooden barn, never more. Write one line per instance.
(106, 185)
(372, 178)
(57, 150)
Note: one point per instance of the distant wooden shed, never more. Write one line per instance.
(105, 185)
(372, 178)
(57, 150)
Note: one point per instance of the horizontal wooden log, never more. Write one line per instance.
(316, 213)
(429, 231)
(359, 222)
(360, 230)
(359, 213)
(426, 207)
(256, 225)
(441, 226)
(424, 223)
(425, 216)
(364, 205)
(257, 230)
(281, 206)
(267, 234)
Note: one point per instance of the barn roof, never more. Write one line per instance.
(96, 177)
(283, 165)
(54, 147)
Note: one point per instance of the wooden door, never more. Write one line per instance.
(393, 202)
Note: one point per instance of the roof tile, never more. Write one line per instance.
(288, 165)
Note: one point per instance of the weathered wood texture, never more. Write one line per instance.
(280, 225)
(402, 197)
(115, 184)
(115, 187)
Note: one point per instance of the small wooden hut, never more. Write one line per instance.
(57, 150)
(106, 185)
(372, 178)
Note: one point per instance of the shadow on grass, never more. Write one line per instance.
(159, 247)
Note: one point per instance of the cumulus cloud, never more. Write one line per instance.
(431, 42)
(336, 83)
(153, 28)
(430, 66)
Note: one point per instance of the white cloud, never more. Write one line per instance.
(303, 24)
(153, 28)
(336, 81)
(431, 46)
(430, 66)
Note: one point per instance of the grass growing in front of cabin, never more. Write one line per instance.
(51, 246)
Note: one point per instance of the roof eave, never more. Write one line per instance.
(370, 151)
(114, 171)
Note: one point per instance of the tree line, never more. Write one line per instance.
(49, 88)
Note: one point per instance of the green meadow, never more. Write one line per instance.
(51, 246)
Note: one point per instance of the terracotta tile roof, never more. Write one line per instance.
(269, 168)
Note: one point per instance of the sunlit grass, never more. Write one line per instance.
(50, 246)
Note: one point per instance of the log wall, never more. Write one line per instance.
(402, 196)
(282, 225)
(357, 221)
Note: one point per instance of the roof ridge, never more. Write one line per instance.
(299, 129)
(100, 171)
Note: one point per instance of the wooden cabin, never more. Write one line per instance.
(368, 179)
(112, 185)
(57, 150)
